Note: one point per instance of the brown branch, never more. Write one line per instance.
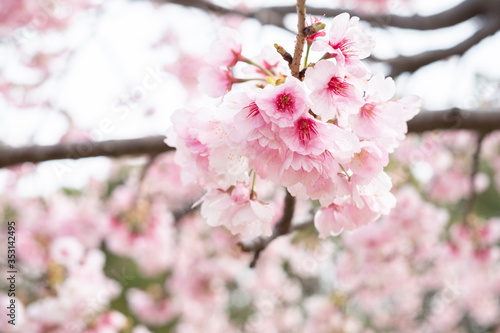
(142, 177)
(460, 13)
(257, 245)
(260, 243)
(205, 6)
(301, 39)
(274, 15)
(113, 148)
(412, 63)
(451, 119)
(455, 119)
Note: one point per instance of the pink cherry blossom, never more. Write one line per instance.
(268, 59)
(283, 104)
(226, 51)
(307, 136)
(200, 138)
(314, 21)
(215, 82)
(149, 309)
(237, 211)
(67, 251)
(334, 94)
(331, 221)
(348, 44)
(380, 119)
(370, 160)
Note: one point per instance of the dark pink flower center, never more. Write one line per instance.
(253, 110)
(338, 87)
(345, 46)
(368, 110)
(285, 103)
(306, 128)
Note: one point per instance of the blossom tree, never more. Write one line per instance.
(296, 189)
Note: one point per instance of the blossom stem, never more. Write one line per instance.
(326, 56)
(236, 80)
(250, 62)
(252, 191)
(307, 54)
(346, 173)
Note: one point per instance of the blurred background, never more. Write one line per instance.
(112, 245)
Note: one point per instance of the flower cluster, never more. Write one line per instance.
(325, 135)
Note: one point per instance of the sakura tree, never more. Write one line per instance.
(287, 177)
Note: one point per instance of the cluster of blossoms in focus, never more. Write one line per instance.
(325, 135)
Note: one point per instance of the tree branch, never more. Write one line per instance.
(451, 119)
(301, 39)
(257, 245)
(113, 148)
(274, 15)
(412, 63)
(455, 119)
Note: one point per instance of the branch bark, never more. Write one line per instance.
(283, 227)
(113, 148)
(455, 119)
(301, 39)
(274, 15)
(412, 63)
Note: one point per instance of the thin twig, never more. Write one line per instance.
(283, 227)
(412, 63)
(144, 172)
(259, 244)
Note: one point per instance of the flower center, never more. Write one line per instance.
(285, 103)
(368, 110)
(345, 46)
(253, 110)
(361, 157)
(306, 128)
(338, 87)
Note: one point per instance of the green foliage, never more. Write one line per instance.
(487, 203)
(128, 275)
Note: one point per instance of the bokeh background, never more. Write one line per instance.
(113, 245)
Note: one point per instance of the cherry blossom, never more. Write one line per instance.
(347, 44)
(238, 211)
(334, 94)
(226, 51)
(283, 104)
